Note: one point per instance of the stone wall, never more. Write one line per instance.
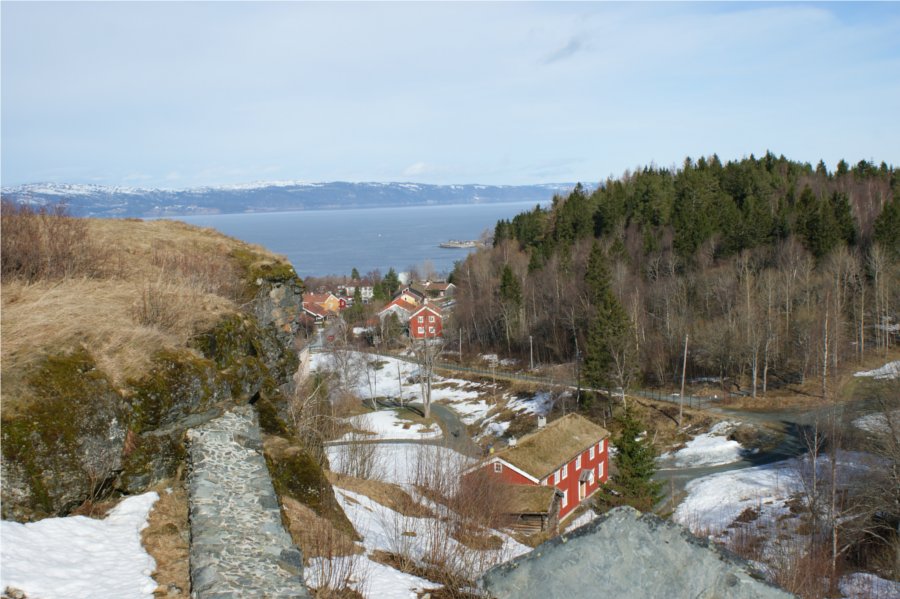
(239, 547)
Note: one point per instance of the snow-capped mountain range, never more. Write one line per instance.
(270, 196)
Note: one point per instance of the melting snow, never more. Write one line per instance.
(891, 370)
(386, 425)
(868, 586)
(396, 463)
(79, 556)
(708, 449)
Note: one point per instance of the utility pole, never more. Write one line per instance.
(531, 351)
(683, 372)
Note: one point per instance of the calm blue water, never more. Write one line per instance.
(324, 242)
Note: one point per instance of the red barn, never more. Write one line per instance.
(570, 454)
(426, 323)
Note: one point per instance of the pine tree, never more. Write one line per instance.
(354, 274)
(635, 465)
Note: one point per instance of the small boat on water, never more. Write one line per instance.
(457, 244)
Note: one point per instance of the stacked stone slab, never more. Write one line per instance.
(239, 548)
(628, 555)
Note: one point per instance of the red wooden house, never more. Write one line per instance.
(426, 323)
(570, 454)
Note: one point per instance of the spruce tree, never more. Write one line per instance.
(608, 330)
(635, 465)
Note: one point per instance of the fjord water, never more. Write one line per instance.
(323, 242)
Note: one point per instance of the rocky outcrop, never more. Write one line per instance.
(627, 554)
(79, 436)
(65, 443)
(239, 547)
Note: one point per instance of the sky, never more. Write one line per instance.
(186, 94)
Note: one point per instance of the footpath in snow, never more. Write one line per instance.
(62, 558)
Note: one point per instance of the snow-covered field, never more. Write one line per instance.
(384, 529)
(709, 449)
(379, 376)
(713, 502)
(386, 425)
(891, 370)
(397, 463)
(868, 586)
(63, 558)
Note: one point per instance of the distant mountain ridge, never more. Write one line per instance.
(273, 196)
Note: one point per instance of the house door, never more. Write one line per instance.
(582, 490)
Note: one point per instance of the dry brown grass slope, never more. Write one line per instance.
(146, 286)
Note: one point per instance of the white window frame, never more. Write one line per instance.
(591, 453)
(430, 318)
(421, 330)
(600, 469)
(578, 462)
(565, 498)
(556, 477)
(421, 319)
(498, 467)
(565, 472)
(600, 446)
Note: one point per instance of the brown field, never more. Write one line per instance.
(152, 285)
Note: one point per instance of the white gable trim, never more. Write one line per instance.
(497, 459)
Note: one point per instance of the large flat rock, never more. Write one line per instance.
(626, 554)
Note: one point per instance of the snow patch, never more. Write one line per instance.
(386, 425)
(868, 586)
(708, 449)
(891, 370)
(79, 556)
(877, 423)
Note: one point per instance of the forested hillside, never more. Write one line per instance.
(763, 263)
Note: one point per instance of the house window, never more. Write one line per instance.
(600, 446)
(564, 470)
(421, 319)
(421, 330)
(600, 471)
(591, 453)
(578, 462)
(556, 478)
(565, 498)
(431, 330)
(431, 319)
(498, 467)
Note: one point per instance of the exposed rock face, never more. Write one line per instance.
(239, 547)
(81, 435)
(627, 554)
(66, 443)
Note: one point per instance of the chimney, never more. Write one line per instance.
(511, 442)
(542, 421)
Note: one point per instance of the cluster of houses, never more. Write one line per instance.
(548, 473)
(420, 308)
